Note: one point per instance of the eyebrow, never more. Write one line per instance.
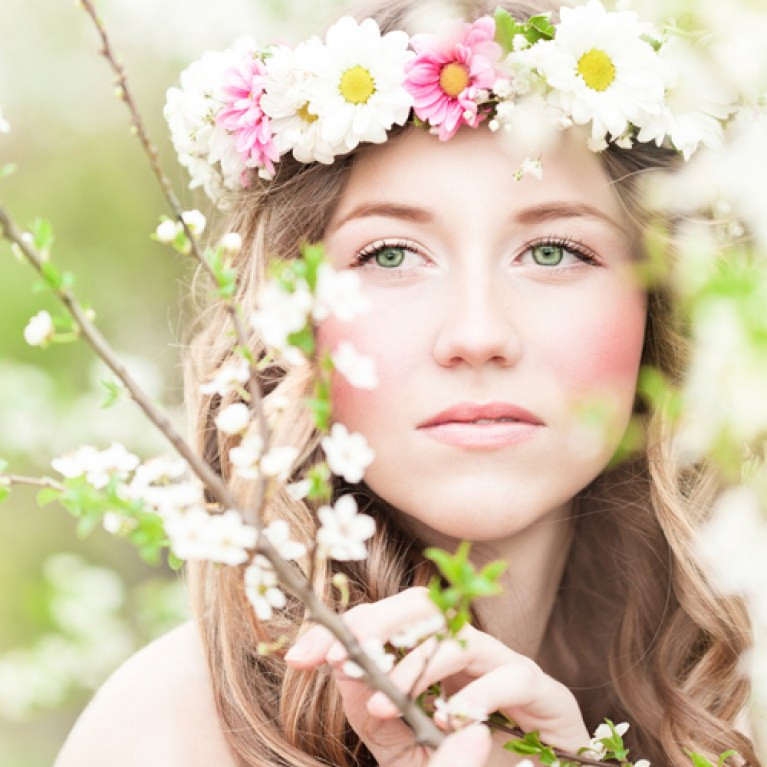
(546, 211)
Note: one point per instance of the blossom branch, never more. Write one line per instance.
(17, 479)
(126, 95)
(424, 729)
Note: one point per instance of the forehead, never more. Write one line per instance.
(473, 172)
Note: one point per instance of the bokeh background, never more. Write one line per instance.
(71, 610)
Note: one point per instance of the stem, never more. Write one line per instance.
(17, 479)
(126, 95)
(424, 730)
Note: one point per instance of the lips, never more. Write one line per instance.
(491, 412)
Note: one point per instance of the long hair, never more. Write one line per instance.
(636, 632)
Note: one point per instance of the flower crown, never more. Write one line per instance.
(239, 111)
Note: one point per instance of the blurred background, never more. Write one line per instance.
(72, 610)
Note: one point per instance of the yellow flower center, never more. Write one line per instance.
(453, 78)
(304, 113)
(597, 69)
(357, 85)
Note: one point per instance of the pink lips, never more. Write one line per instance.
(495, 424)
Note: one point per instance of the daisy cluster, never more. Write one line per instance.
(238, 112)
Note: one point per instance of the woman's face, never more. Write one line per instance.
(489, 295)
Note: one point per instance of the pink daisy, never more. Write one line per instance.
(244, 119)
(449, 70)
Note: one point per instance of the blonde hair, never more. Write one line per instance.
(631, 592)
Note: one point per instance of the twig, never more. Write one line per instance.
(17, 479)
(423, 728)
(125, 94)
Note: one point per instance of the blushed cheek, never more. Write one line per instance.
(601, 346)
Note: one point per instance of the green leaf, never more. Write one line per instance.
(7, 170)
(506, 29)
(174, 562)
(303, 340)
(5, 491)
(726, 755)
(42, 232)
(699, 760)
(51, 275)
(114, 391)
(541, 25)
(47, 495)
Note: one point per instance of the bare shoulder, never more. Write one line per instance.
(156, 710)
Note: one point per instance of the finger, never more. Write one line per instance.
(435, 660)
(469, 747)
(382, 620)
(533, 701)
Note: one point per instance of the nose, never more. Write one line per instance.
(477, 325)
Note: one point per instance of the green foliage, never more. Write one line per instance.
(7, 170)
(531, 745)
(699, 760)
(114, 392)
(534, 29)
(221, 265)
(319, 483)
(465, 584)
(5, 491)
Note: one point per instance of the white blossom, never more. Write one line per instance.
(228, 378)
(196, 534)
(246, 456)
(299, 490)
(5, 126)
(278, 462)
(234, 418)
(278, 534)
(167, 231)
(261, 588)
(281, 313)
(457, 711)
(358, 369)
(98, 466)
(344, 531)
(39, 330)
(375, 650)
(348, 455)
(195, 221)
(413, 635)
(230, 243)
(339, 293)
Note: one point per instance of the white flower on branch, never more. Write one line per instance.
(299, 490)
(375, 650)
(228, 378)
(167, 231)
(234, 418)
(278, 462)
(344, 531)
(278, 534)
(358, 369)
(348, 454)
(5, 126)
(98, 466)
(413, 635)
(281, 313)
(195, 221)
(339, 293)
(39, 330)
(261, 588)
(196, 534)
(230, 243)
(246, 455)
(458, 711)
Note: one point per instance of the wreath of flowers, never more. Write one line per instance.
(239, 111)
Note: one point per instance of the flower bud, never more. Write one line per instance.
(195, 221)
(166, 232)
(39, 330)
(231, 243)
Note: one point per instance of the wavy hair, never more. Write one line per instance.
(636, 632)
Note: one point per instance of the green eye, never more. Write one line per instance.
(548, 255)
(390, 256)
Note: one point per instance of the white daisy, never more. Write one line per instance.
(348, 454)
(600, 70)
(359, 92)
(290, 74)
(344, 531)
(696, 104)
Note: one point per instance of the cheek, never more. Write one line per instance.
(600, 344)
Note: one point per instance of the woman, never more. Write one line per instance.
(500, 308)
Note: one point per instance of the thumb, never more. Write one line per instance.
(469, 747)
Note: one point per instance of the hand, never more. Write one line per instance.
(468, 747)
(482, 674)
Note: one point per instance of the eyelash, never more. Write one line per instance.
(578, 249)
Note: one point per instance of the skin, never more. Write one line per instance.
(471, 314)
